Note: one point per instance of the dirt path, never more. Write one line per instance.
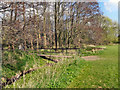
(90, 58)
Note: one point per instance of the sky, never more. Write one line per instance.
(110, 9)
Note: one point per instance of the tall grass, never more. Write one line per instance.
(56, 76)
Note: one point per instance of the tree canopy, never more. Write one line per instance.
(55, 25)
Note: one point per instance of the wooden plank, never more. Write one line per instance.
(54, 56)
(60, 48)
(49, 59)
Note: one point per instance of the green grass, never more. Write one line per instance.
(59, 75)
(101, 73)
(84, 52)
(17, 61)
(75, 73)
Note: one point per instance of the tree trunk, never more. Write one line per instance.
(15, 12)
(55, 26)
(44, 24)
(45, 41)
(25, 45)
(31, 44)
(40, 38)
(24, 26)
(11, 13)
(37, 43)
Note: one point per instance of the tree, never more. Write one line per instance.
(63, 24)
(110, 30)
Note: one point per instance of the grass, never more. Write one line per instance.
(101, 73)
(59, 75)
(16, 61)
(84, 52)
(74, 73)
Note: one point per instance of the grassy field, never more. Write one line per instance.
(101, 73)
(75, 73)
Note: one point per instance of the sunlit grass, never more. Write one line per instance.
(101, 73)
(75, 73)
